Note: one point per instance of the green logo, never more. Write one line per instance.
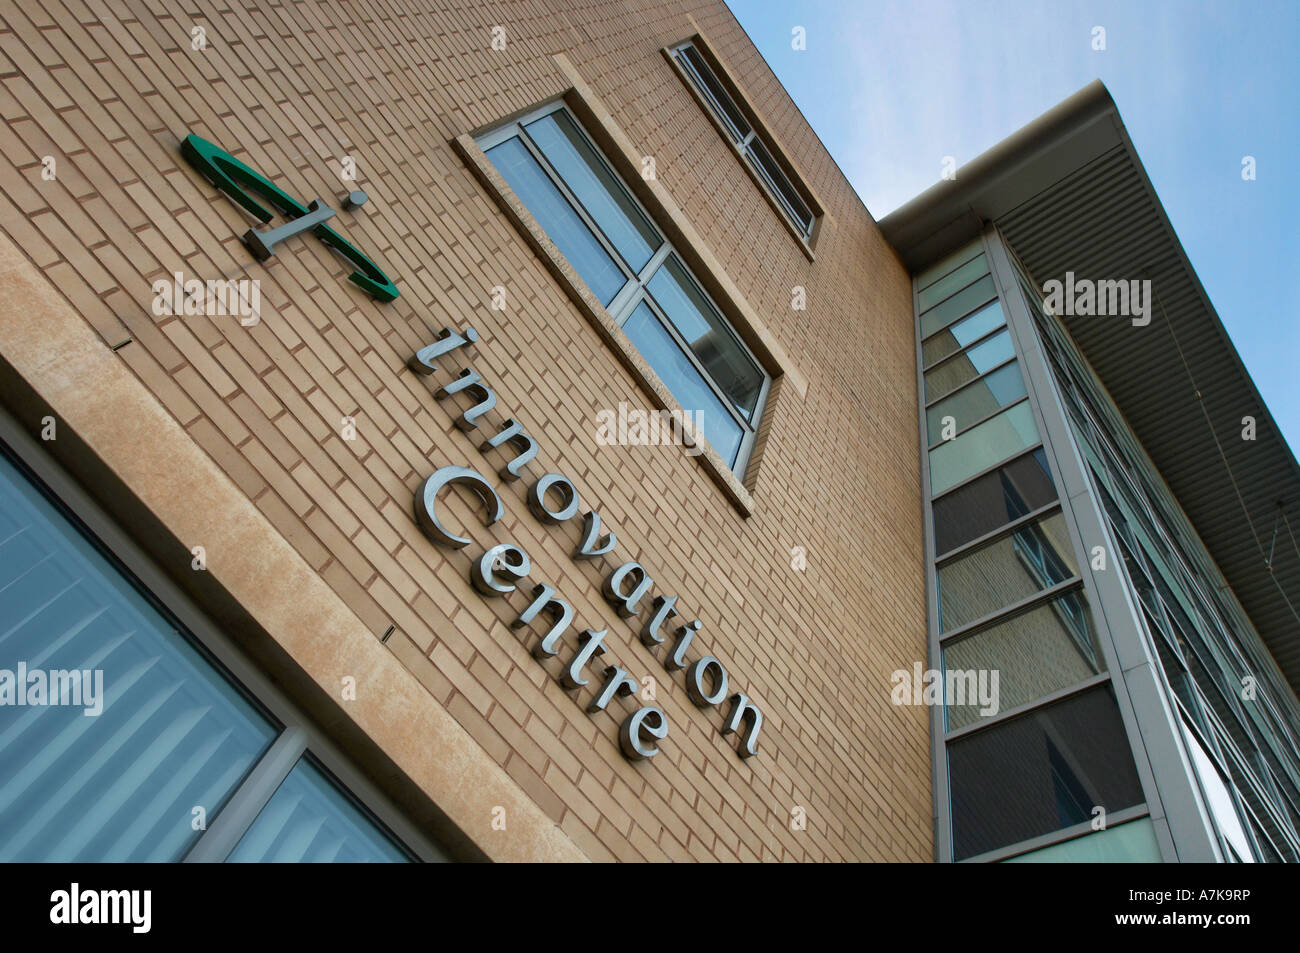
(241, 184)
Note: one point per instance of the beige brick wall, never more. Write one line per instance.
(109, 89)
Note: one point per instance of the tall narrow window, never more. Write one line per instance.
(748, 141)
(596, 223)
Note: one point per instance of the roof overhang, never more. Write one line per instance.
(1069, 193)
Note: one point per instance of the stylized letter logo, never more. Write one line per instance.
(241, 184)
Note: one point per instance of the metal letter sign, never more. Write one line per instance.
(237, 180)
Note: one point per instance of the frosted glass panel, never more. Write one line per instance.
(171, 733)
(309, 820)
(952, 283)
(976, 401)
(946, 265)
(981, 447)
(958, 306)
(1131, 843)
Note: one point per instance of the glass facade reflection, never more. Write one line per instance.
(1009, 596)
(1248, 758)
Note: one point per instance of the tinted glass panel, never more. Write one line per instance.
(1036, 556)
(309, 820)
(946, 265)
(558, 219)
(953, 282)
(958, 306)
(1034, 653)
(1131, 843)
(702, 76)
(981, 447)
(976, 401)
(708, 336)
(114, 779)
(587, 176)
(779, 184)
(962, 368)
(964, 332)
(1040, 772)
(993, 500)
(679, 374)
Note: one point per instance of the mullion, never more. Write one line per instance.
(571, 197)
(686, 349)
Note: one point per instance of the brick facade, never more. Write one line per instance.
(109, 90)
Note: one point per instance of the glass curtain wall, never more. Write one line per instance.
(1248, 759)
(1038, 764)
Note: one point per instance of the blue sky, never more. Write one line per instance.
(893, 86)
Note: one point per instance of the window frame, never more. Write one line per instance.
(743, 143)
(635, 288)
(298, 737)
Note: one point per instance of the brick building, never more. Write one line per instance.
(557, 497)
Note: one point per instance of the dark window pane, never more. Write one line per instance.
(976, 401)
(1036, 556)
(961, 369)
(590, 179)
(780, 185)
(964, 332)
(708, 84)
(1040, 772)
(708, 335)
(680, 375)
(994, 500)
(558, 219)
(958, 306)
(1035, 653)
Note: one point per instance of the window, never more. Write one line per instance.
(749, 142)
(1035, 556)
(146, 728)
(590, 215)
(1035, 653)
(993, 500)
(975, 402)
(981, 447)
(1040, 772)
